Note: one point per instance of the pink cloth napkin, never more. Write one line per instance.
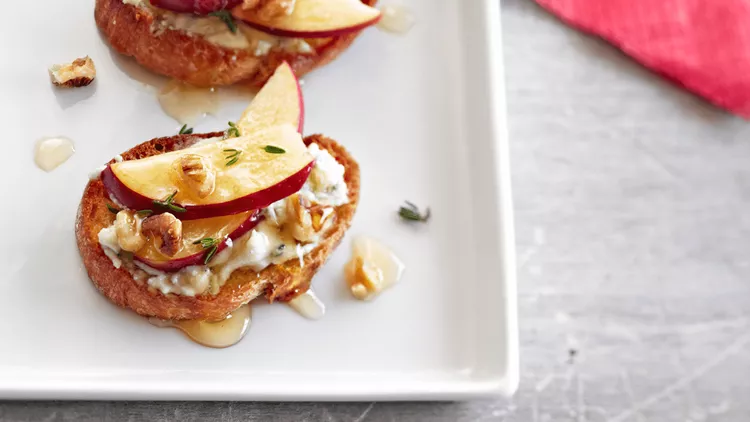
(703, 45)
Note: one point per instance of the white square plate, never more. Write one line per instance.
(423, 113)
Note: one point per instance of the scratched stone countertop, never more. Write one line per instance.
(632, 202)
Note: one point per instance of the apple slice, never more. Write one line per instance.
(314, 19)
(250, 172)
(192, 252)
(199, 7)
(279, 102)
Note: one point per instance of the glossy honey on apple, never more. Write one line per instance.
(257, 179)
(222, 230)
(279, 102)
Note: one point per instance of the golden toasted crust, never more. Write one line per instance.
(193, 59)
(278, 282)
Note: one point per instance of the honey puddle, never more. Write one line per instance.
(396, 19)
(213, 334)
(51, 152)
(308, 305)
(372, 269)
(186, 103)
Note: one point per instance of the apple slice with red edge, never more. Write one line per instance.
(279, 102)
(198, 240)
(314, 19)
(198, 7)
(251, 172)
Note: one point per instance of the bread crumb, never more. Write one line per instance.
(80, 72)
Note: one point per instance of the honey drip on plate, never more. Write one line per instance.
(186, 103)
(308, 305)
(213, 334)
(396, 19)
(51, 152)
(372, 269)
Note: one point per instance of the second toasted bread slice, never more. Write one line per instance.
(130, 30)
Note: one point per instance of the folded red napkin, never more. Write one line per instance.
(703, 45)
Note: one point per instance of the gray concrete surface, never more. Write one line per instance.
(632, 200)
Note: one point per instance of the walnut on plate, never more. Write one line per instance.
(80, 72)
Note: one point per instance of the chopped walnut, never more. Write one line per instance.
(166, 230)
(306, 221)
(198, 174)
(81, 72)
(128, 228)
(267, 10)
(365, 280)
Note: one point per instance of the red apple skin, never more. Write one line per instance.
(174, 265)
(198, 7)
(310, 34)
(257, 200)
(301, 124)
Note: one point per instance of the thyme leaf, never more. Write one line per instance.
(185, 130)
(410, 212)
(113, 209)
(167, 203)
(233, 131)
(271, 149)
(232, 156)
(227, 18)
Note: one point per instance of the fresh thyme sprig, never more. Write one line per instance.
(233, 131)
(227, 18)
(232, 156)
(208, 243)
(113, 209)
(168, 203)
(271, 149)
(144, 213)
(410, 212)
(185, 130)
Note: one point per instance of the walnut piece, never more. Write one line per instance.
(128, 229)
(306, 221)
(198, 174)
(166, 230)
(365, 280)
(80, 72)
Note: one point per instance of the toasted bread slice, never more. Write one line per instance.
(278, 282)
(193, 59)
